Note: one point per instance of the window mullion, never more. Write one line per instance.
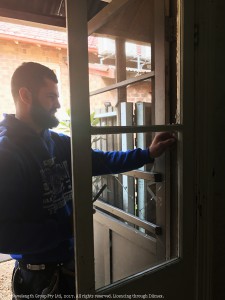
(135, 129)
(76, 13)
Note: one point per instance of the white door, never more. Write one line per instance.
(144, 265)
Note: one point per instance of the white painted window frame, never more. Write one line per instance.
(167, 278)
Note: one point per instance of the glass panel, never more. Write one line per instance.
(108, 101)
(142, 194)
(135, 213)
(130, 218)
(103, 59)
(101, 62)
(138, 59)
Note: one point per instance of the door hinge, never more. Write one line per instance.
(170, 29)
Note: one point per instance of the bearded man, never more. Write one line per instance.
(36, 189)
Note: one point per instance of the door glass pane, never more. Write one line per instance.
(136, 212)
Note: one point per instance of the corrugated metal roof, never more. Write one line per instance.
(48, 8)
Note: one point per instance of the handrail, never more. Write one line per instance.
(151, 176)
(153, 228)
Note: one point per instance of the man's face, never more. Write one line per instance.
(45, 104)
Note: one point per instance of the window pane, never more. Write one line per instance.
(136, 213)
(133, 216)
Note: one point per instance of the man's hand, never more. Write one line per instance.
(161, 142)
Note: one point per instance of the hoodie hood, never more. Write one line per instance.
(11, 126)
(13, 129)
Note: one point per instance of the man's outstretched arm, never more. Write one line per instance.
(114, 162)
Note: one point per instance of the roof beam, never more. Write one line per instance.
(26, 16)
(105, 15)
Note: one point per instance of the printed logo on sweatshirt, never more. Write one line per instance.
(57, 188)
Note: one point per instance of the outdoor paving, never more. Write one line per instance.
(6, 269)
(4, 257)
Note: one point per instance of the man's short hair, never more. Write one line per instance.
(32, 76)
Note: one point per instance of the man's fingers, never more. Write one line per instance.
(161, 143)
(165, 136)
(167, 143)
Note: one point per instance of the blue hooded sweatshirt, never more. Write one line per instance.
(35, 190)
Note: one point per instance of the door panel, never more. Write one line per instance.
(120, 250)
(174, 278)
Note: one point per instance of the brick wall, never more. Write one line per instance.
(12, 54)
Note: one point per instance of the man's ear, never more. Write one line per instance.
(25, 95)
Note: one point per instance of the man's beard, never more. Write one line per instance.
(44, 119)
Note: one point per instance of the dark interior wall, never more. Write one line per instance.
(210, 140)
(219, 159)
